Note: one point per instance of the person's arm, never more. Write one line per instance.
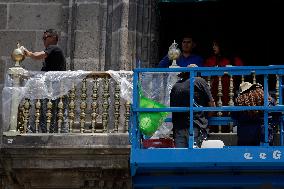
(211, 103)
(208, 95)
(36, 55)
(165, 62)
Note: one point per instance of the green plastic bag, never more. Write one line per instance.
(150, 121)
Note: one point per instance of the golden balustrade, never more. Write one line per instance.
(83, 105)
(116, 107)
(253, 78)
(37, 115)
(95, 106)
(232, 91)
(127, 116)
(105, 103)
(48, 115)
(231, 99)
(85, 109)
(277, 90)
(72, 97)
(60, 114)
(26, 114)
(219, 102)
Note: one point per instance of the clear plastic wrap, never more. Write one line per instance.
(52, 85)
(37, 85)
(155, 86)
(125, 80)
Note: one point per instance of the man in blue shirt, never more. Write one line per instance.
(186, 57)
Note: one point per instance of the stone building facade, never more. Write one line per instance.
(94, 35)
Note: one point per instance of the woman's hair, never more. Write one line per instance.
(221, 45)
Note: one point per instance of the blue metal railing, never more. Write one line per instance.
(214, 71)
(230, 161)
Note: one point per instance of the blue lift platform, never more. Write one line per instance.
(228, 167)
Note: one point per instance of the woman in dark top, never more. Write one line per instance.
(220, 59)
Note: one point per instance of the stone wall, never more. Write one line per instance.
(24, 21)
(96, 161)
(95, 34)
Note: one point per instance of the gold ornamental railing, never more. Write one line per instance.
(92, 106)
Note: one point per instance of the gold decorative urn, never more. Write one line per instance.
(174, 54)
(18, 55)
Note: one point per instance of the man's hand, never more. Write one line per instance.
(23, 48)
(27, 53)
(35, 55)
(192, 65)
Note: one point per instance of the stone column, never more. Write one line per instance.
(16, 73)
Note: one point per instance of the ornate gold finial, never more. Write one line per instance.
(18, 55)
(173, 54)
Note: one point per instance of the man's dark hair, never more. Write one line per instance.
(188, 35)
(52, 32)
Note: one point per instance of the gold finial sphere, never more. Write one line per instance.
(173, 52)
(18, 54)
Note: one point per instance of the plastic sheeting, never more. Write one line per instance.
(38, 85)
(125, 81)
(157, 86)
(52, 85)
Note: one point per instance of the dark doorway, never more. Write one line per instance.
(251, 30)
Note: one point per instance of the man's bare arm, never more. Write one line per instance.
(36, 55)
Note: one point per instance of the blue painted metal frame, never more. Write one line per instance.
(231, 158)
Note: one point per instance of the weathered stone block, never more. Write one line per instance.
(9, 39)
(32, 65)
(115, 52)
(139, 18)
(1, 88)
(88, 1)
(87, 44)
(64, 2)
(62, 43)
(2, 74)
(116, 18)
(79, 64)
(6, 63)
(65, 18)
(88, 17)
(145, 42)
(35, 16)
(89, 64)
(3, 16)
(132, 16)
(38, 41)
